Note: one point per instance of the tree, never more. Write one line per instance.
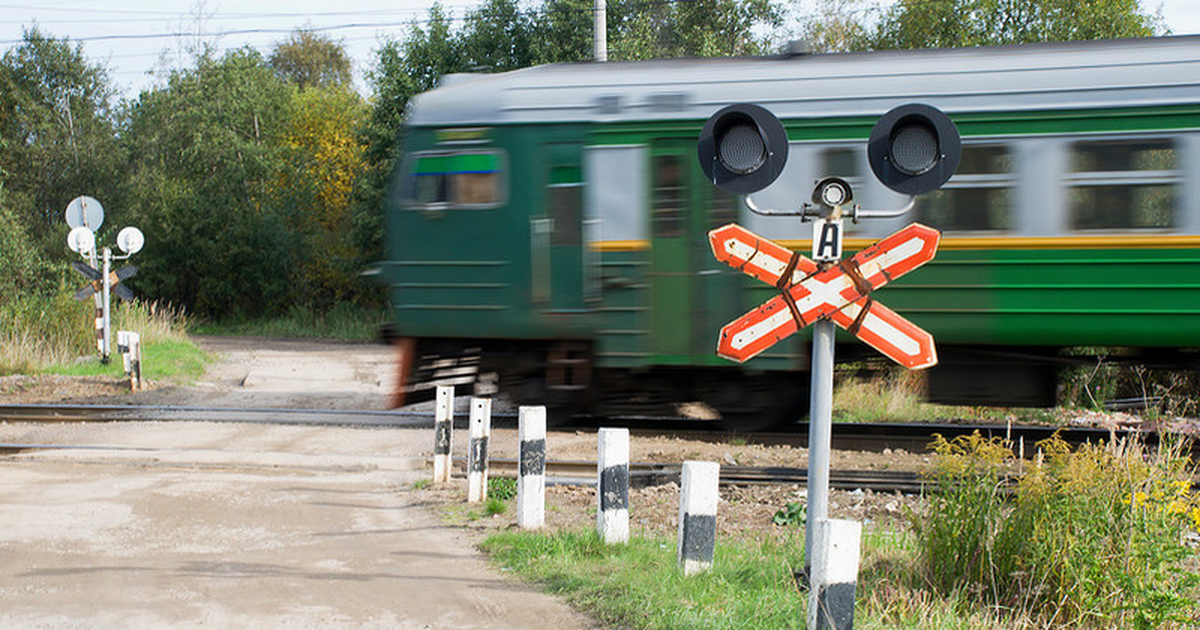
(953, 23)
(496, 37)
(836, 27)
(311, 60)
(57, 132)
(323, 162)
(205, 151)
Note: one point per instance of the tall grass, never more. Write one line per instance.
(55, 333)
(344, 321)
(1091, 537)
(36, 332)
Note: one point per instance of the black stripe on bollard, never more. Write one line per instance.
(699, 537)
(614, 488)
(441, 438)
(533, 457)
(836, 605)
(479, 449)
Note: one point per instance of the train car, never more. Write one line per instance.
(546, 227)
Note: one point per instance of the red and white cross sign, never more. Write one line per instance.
(840, 292)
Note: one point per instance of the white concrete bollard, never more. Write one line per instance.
(612, 487)
(443, 433)
(531, 482)
(698, 494)
(123, 348)
(477, 455)
(831, 584)
(135, 361)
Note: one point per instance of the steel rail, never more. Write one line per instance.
(914, 437)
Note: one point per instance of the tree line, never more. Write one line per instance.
(258, 178)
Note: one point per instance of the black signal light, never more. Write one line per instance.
(742, 148)
(914, 149)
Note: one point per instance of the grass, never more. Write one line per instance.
(1091, 538)
(344, 321)
(752, 583)
(889, 395)
(56, 336)
(893, 394)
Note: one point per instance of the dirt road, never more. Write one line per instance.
(238, 525)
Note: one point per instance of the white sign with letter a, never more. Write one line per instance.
(827, 240)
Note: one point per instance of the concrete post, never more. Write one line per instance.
(123, 348)
(443, 433)
(612, 487)
(135, 361)
(834, 574)
(477, 456)
(698, 496)
(531, 483)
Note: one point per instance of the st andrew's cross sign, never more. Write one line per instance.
(841, 293)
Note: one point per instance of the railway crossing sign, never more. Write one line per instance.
(840, 292)
(97, 281)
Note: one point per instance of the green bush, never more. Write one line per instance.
(1091, 536)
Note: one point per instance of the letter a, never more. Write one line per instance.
(827, 240)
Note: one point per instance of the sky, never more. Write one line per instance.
(134, 38)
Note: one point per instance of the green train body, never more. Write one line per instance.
(548, 227)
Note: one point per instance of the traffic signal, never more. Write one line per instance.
(742, 148)
(914, 149)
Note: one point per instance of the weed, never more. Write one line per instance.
(791, 514)
(494, 506)
(1091, 536)
(421, 484)
(502, 488)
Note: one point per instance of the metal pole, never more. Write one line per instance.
(820, 429)
(106, 350)
(600, 31)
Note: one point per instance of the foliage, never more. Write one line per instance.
(322, 162)
(502, 488)
(310, 60)
(954, 23)
(57, 134)
(791, 514)
(205, 151)
(1091, 537)
(343, 321)
(836, 27)
(26, 272)
(494, 506)
(43, 329)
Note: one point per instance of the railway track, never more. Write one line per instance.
(650, 474)
(913, 437)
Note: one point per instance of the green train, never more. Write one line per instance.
(546, 228)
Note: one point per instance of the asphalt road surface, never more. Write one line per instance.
(184, 524)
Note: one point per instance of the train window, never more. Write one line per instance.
(1123, 184)
(469, 179)
(564, 199)
(667, 195)
(977, 198)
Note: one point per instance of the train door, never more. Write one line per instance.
(558, 281)
(675, 294)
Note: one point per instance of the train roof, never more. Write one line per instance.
(1108, 73)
